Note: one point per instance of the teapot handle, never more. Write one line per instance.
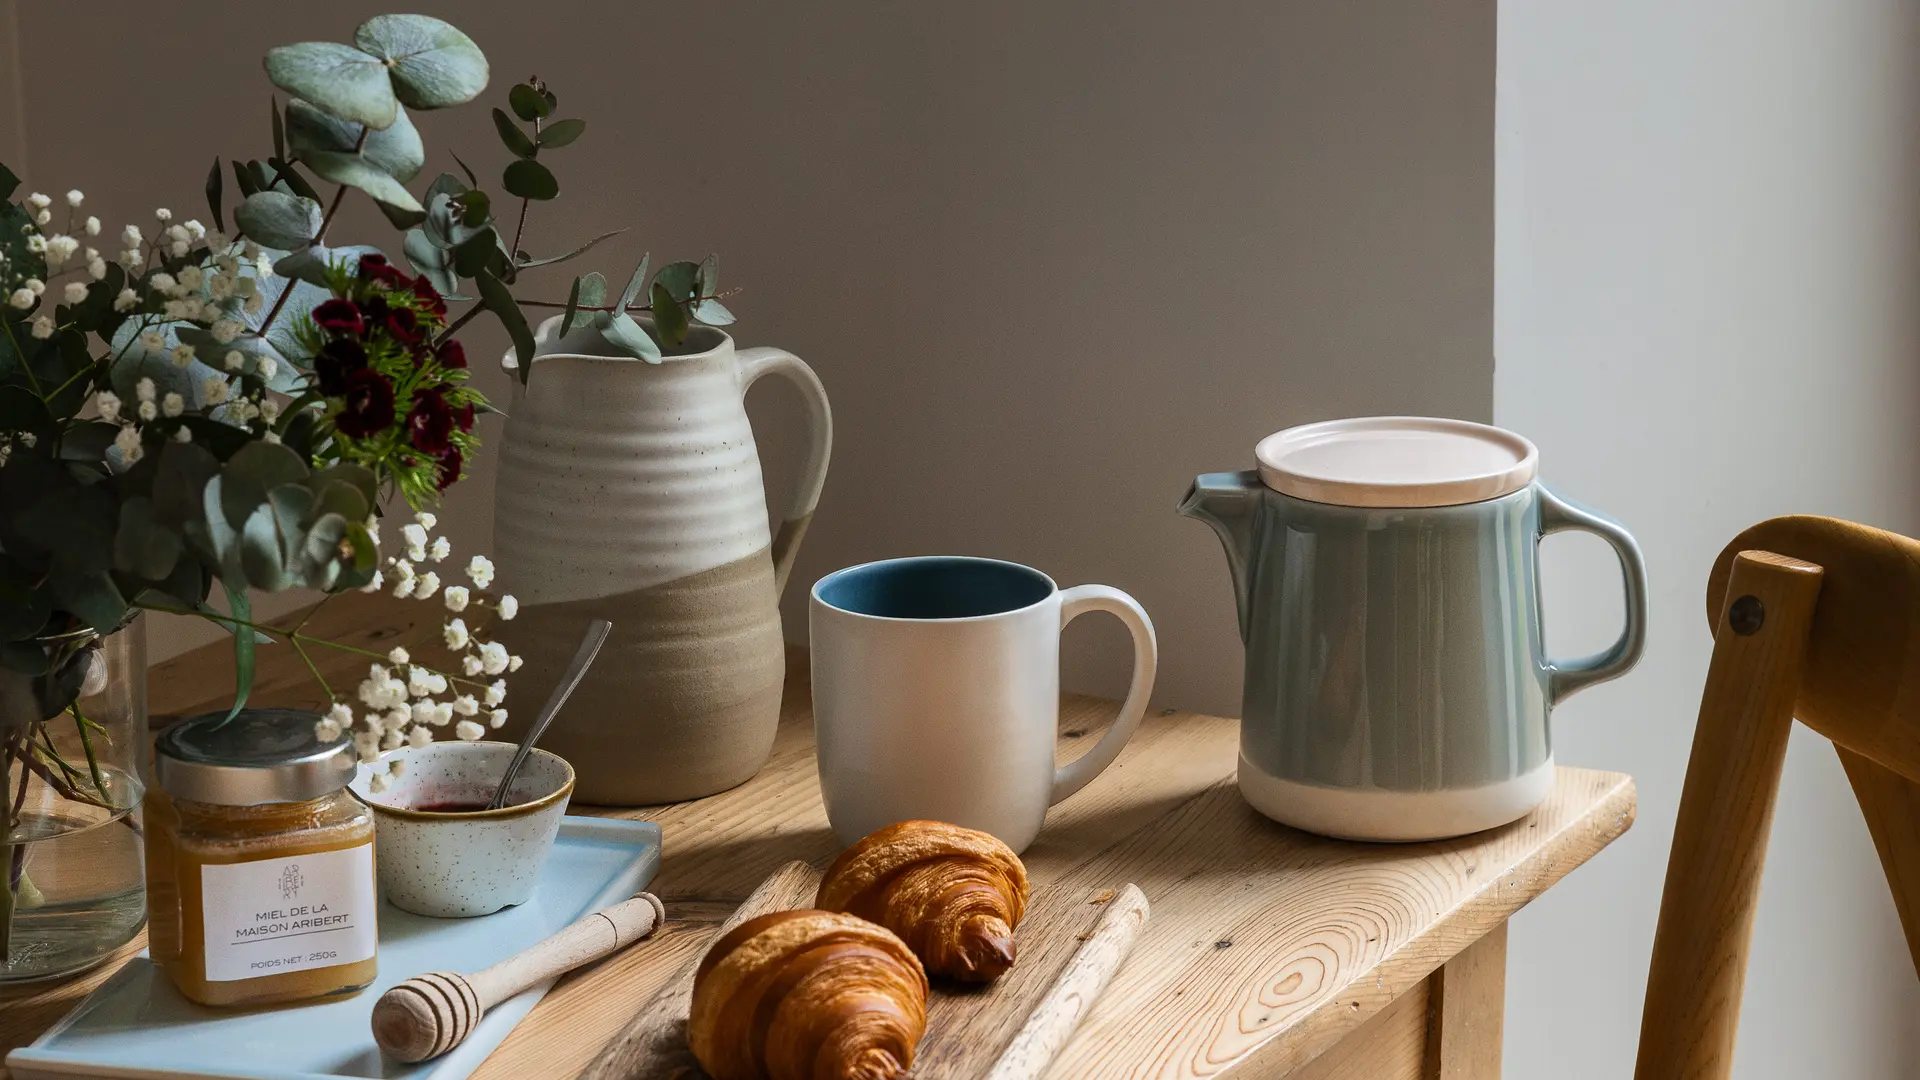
(762, 360)
(1566, 676)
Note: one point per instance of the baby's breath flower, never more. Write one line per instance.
(425, 519)
(468, 730)
(513, 663)
(416, 537)
(266, 367)
(419, 737)
(493, 657)
(21, 298)
(39, 201)
(128, 443)
(470, 664)
(398, 655)
(403, 588)
(37, 244)
(508, 607)
(456, 635)
(36, 286)
(153, 341)
(441, 548)
(109, 403)
(44, 217)
(163, 215)
(182, 355)
(466, 705)
(326, 730)
(144, 389)
(271, 437)
(163, 282)
(60, 249)
(394, 739)
(130, 237)
(147, 410)
(195, 230)
(270, 411)
(75, 198)
(497, 718)
(126, 301)
(97, 268)
(234, 360)
(367, 744)
(397, 718)
(341, 714)
(480, 569)
(253, 304)
(225, 330)
(182, 434)
(497, 692)
(375, 584)
(43, 327)
(378, 782)
(455, 596)
(428, 585)
(191, 277)
(213, 390)
(92, 226)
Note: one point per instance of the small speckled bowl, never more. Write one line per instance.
(454, 864)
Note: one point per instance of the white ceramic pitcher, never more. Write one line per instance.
(631, 491)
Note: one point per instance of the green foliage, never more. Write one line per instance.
(394, 59)
(529, 179)
(276, 219)
(395, 150)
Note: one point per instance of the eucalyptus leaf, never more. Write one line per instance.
(244, 179)
(216, 180)
(430, 261)
(276, 219)
(291, 504)
(320, 558)
(529, 179)
(23, 612)
(527, 103)
(179, 485)
(75, 526)
(447, 184)
(669, 318)
(356, 172)
(87, 441)
(279, 173)
(681, 280)
(494, 294)
(339, 497)
(347, 82)
(279, 127)
(91, 597)
(707, 281)
(627, 335)
(475, 209)
(395, 150)
(561, 132)
(573, 308)
(246, 478)
(144, 547)
(713, 313)
(310, 264)
(529, 263)
(358, 477)
(260, 558)
(634, 285)
(241, 607)
(8, 182)
(481, 251)
(464, 168)
(515, 140)
(593, 290)
(433, 64)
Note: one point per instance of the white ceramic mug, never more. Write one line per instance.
(936, 693)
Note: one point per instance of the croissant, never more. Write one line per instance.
(807, 995)
(953, 894)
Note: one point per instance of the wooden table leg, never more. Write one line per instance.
(1466, 1002)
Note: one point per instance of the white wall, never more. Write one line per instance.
(1050, 260)
(1708, 253)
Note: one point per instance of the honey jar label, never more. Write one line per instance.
(273, 916)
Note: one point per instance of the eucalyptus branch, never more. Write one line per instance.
(299, 639)
(339, 196)
(464, 319)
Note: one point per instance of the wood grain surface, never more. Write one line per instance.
(1267, 946)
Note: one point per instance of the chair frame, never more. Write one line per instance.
(1813, 618)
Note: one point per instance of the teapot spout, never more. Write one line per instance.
(1230, 503)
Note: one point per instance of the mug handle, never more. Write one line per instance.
(1075, 774)
(1564, 677)
(763, 360)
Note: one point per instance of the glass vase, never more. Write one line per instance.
(73, 743)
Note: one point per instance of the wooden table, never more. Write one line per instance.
(1270, 953)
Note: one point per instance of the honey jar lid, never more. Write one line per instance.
(260, 756)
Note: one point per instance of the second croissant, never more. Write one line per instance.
(953, 895)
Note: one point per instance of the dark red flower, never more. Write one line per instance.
(376, 268)
(338, 317)
(429, 296)
(430, 424)
(338, 360)
(463, 416)
(369, 408)
(450, 464)
(404, 325)
(453, 354)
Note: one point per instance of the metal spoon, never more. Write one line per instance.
(596, 636)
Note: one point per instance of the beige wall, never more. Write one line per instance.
(1709, 249)
(1050, 260)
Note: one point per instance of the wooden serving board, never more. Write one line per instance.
(967, 1028)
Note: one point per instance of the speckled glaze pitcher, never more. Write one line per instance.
(1397, 683)
(631, 491)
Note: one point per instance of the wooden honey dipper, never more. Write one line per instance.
(430, 1014)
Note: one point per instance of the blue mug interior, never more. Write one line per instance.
(934, 587)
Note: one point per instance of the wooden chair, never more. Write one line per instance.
(1817, 619)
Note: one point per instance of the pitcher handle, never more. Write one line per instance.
(763, 360)
(1564, 677)
(1078, 600)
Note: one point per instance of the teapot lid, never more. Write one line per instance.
(1396, 461)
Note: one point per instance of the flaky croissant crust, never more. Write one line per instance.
(953, 894)
(807, 995)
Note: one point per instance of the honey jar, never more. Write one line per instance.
(260, 877)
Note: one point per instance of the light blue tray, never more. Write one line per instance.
(137, 1027)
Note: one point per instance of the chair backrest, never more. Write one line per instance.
(1812, 618)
